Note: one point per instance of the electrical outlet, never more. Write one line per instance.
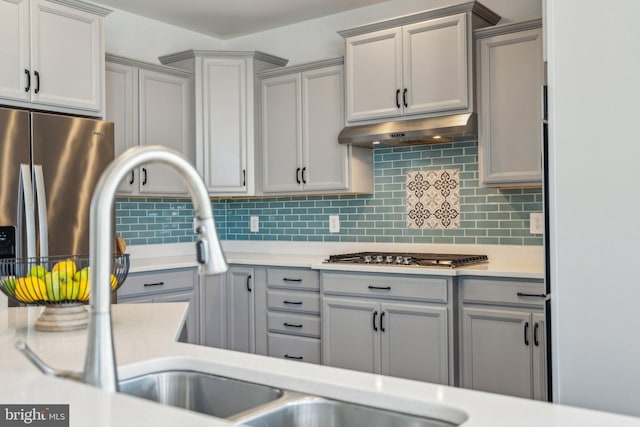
(254, 224)
(536, 223)
(334, 224)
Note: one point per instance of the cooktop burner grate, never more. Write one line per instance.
(406, 258)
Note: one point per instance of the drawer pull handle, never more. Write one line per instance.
(291, 325)
(381, 321)
(525, 294)
(292, 302)
(380, 288)
(535, 335)
(286, 356)
(286, 279)
(248, 283)
(146, 285)
(526, 333)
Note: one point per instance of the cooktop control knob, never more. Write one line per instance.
(399, 259)
(379, 259)
(407, 260)
(389, 259)
(367, 259)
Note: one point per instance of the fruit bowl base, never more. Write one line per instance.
(63, 318)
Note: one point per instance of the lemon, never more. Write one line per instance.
(66, 268)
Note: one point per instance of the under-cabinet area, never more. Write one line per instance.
(448, 329)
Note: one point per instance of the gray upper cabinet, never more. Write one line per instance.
(422, 62)
(150, 105)
(46, 68)
(225, 92)
(302, 113)
(510, 73)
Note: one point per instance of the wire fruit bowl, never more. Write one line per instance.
(54, 279)
(61, 283)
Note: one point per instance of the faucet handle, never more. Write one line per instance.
(46, 369)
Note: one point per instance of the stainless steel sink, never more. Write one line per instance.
(200, 392)
(258, 405)
(312, 411)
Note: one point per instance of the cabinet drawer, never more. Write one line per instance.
(157, 281)
(291, 323)
(392, 286)
(502, 291)
(303, 302)
(294, 348)
(293, 278)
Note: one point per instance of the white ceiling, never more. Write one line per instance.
(226, 19)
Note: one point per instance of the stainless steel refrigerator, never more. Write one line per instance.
(49, 166)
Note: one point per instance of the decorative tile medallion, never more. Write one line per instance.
(433, 199)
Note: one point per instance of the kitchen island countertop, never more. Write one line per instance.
(145, 332)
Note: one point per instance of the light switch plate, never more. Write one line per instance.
(334, 224)
(254, 225)
(536, 223)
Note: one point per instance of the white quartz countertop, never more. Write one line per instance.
(144, 336)
(175, 256)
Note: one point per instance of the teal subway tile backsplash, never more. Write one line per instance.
(488, 215)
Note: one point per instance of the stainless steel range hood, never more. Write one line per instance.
(432, 130)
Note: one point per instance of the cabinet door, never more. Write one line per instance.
(373, 64)
(213, 311)
(164, 117)
(414, 342)
(539, 357)
(14, 45)
(225, 134)
(241, 309)
(67, 55)
(281, 134)
(496, 351)
(121, 98)
(511, 78)
(325, 163)
(435, 65)
(350, 335)
(190, 332)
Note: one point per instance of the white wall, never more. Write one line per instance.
(317, 39)
(593, 69)
(144, 39)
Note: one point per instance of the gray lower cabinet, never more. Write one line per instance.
(292, 314)
(213, 313)
(241, 309)
(398, 325)
(503, 336)
(174, 285)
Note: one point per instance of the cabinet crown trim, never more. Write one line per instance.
(191, 54)
(86, 7)
(146, 66)
(301, 67)
(474, 7)
(498, 30)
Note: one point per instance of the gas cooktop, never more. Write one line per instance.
(408, 259)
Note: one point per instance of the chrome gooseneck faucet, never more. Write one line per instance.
(100, 364)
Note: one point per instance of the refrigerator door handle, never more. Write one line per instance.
(26, 207)
(41, 197)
